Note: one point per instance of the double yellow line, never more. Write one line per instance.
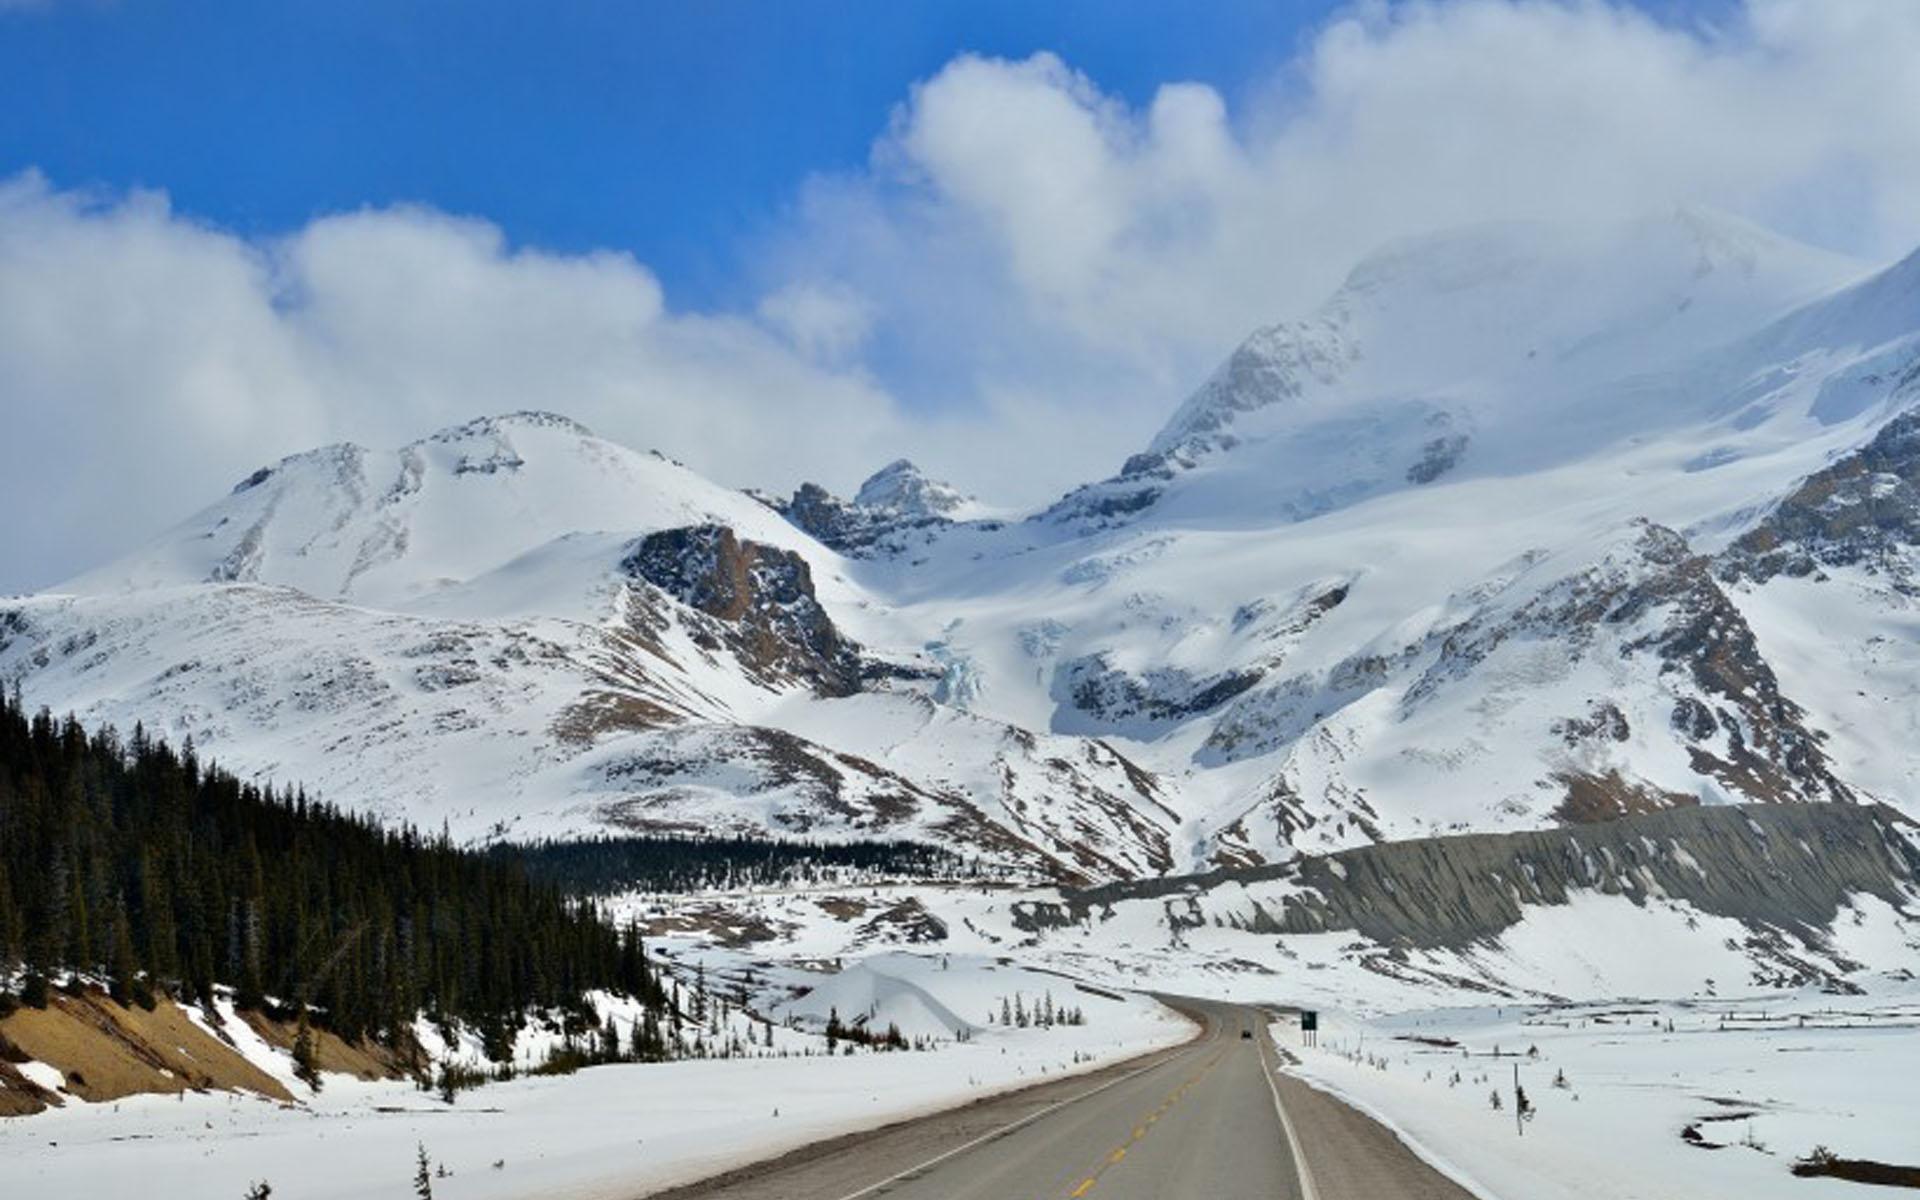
(1140, 1130)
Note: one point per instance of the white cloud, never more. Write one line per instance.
(150, 361)
(1020, 232)
(824, 323)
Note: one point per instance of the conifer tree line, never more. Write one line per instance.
(603, 866)
(1042, 1014)
(136, 864)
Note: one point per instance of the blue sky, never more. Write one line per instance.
(787, 240)
(673, 130)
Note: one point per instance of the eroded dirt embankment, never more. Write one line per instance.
(103, 1051)
(1784, 866)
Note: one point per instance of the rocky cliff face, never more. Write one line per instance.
(1863, 511)
(759, 602)
(1740, 728)
(1109, 698)
(895, 508)
(1630, 684)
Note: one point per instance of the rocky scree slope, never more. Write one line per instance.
(1787, 873)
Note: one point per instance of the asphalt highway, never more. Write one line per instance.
(1212, 1120)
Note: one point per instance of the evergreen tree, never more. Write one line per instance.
(608, 865)
(9, 916)
(133, 861)
(123, 976)
(306, 1055)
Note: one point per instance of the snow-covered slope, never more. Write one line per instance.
(1526, 525)
(518, 629)
(390, 529)
(1487, 350)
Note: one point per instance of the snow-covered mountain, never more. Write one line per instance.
(517, 628)
(1524, 526)
(896, 507)
(1491, 349)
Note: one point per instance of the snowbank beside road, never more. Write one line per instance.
(611, 1131)
(1709, 1097)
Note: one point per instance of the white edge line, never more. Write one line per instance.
(1307, 1189)
(1029, 1119)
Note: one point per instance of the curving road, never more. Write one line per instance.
(1211, 1120)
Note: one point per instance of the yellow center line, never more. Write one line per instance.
(1140, 1131)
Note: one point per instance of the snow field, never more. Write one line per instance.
(610, 1131)
(1761, 1080)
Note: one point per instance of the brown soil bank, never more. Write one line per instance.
(362, 1060)
(105, 1052)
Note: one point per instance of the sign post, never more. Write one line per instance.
(1309, 1027)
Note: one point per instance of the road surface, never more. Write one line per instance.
(1204, 1120)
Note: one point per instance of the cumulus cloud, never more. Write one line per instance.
(1026, 277)
(150, 361)
(826, 323)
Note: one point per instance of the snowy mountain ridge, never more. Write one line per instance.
(1525, 526)
(900, 487)
(897, 506)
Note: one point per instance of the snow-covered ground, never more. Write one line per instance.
(610, 1131)
(1593, 947)
(868, 956)
(1840, 1078)
(1760, 1081)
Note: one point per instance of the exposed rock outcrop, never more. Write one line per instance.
(1657, 597)
(1863, 511)
(895, 505)
(760, 602)
(1108, 697)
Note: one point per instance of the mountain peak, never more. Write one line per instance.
(498, 424)
(902, 488)
(896, 501)
(392, 526)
